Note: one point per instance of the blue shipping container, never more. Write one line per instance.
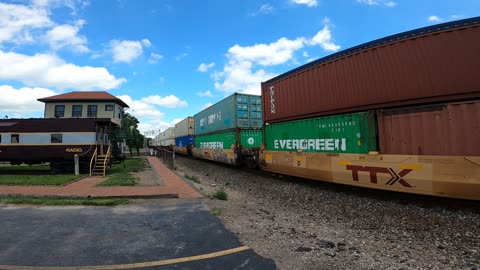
(236, 111)
(184, 141)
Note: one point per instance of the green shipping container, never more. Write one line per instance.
(236, 111)
(347, 133)
(248, 138)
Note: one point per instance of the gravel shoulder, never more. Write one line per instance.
(316, 225)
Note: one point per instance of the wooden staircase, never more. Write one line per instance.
(99, 163)
(100, 167)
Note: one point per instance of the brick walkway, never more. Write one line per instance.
(173, 186)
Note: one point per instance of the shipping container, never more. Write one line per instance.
(236, 111)
(348, 133)
(184, 144)
(166, 138)
(232, 146)
(433, 64)
(184, 127)
(451, 129)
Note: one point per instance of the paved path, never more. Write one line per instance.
(173, 186)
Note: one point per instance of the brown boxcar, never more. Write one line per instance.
(432, 64)
(451, 129)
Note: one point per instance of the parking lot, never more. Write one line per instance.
(155, 234)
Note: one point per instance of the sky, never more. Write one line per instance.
(170, 59)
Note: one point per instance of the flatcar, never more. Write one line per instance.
(55, 140)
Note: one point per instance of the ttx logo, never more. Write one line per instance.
(374, 171)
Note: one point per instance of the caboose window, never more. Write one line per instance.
(59, 110)
(77, 110)
(56, 138)
(92, 111)
(15, 138)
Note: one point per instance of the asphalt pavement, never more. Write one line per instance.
(165, 234)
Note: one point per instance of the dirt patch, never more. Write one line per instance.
(147, 177)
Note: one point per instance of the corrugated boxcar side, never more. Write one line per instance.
(228, 139)
(434, 67)
(348, 133)
(236, 111)
(184, 127)
(446, 129)
(184, 141)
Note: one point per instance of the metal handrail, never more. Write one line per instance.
(107, 156)
(94, 157)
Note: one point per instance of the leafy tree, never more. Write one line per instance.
(129, 131)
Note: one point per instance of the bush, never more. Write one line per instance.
(220, 195)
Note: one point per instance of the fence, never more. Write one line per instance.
(168, 157)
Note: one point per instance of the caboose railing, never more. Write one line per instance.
(93, 161)
(107, 158)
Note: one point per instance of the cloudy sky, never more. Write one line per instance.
(169, 59)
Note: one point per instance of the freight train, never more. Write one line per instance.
(55, 140)
(401, 113)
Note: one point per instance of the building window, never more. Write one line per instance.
(77, 110)
(56, 138)
(92, 111)
(108, 108)
(0, 138)
(15, 138)
(59, 110)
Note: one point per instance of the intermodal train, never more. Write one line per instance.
(401, 113)
(54, 140)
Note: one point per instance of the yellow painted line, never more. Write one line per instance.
(345, 163)
(130, 265)
(411, 167)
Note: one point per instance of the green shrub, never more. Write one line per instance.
(220, 195)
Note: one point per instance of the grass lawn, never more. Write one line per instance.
(61, 201)
(38, 180)
(33, 179)
(8, 168)
(120, 176)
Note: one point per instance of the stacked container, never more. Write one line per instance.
(229, 129)
(184, 140)
(166, 138)
(400, 113)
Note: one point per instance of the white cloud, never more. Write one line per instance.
(146, 43)
(66, 35)
(264, 9)
(274, 53)
(170, 101)
(140, 108)
(125, 50)
(180, 57)
(150, 116)
(205, 94)
(434, 18)
(390, 4)
(51, 71)
(244, 73)
(17, 22)
(324, 39)
(21, 103)
(74, 5)
(206, 105)
(386, 3)
(154, 58)
(310, 3)
(205, 67)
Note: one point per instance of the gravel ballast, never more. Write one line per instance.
(317, 225)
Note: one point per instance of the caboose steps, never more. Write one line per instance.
(100, 166)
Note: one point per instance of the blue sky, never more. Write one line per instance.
(169, 59)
